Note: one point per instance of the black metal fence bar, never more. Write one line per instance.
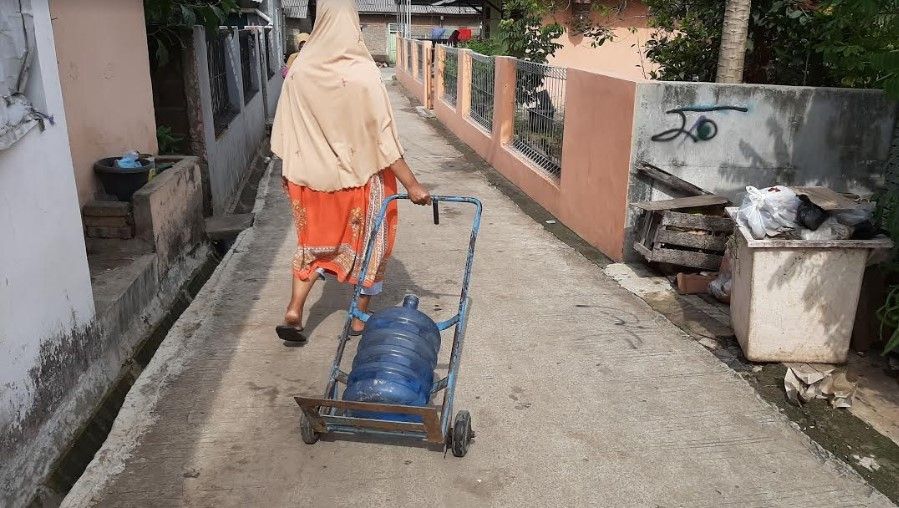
(540, 114)
(482, 81)
(247, 74)
(450, 75)
(270, 57)
(222, 109)
(408, 56)
(421, 61)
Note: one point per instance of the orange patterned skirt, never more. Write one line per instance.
(333, 229)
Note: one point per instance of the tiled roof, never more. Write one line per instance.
(300, 8)
(389, 7)
(295, 8)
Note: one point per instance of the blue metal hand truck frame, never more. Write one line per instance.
(330, 415)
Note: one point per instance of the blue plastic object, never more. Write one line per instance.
(395, 360)
(129, 161)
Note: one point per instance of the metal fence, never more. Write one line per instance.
(270, 56)
(482, 80)
(450, 75)
(222, 109)
(540, 114)
(421, 61)
(248, 76)
(408, 50)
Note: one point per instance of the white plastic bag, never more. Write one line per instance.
(769, 211)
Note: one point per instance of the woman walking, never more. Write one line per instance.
(335, 132)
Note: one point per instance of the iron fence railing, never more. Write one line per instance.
(450, 75)
(421, 61)
(248, 76)
(270, 57)
(222, 108)
(540, 114)
(482, 80)
(408, 50)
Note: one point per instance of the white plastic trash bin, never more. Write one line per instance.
(795, 300)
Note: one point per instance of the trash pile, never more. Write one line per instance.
(805, 213)
(805, 382)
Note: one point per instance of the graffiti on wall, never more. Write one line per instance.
(703, 129)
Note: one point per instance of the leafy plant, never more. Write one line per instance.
(861, 42)
(522, 33)
(488, 47)
(889, 319)
(169, 143)
(169, 22)
(791, 42)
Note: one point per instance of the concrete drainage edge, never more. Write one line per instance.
(137, 414)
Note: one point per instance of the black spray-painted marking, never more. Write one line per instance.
(703, 129)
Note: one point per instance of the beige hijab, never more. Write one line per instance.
(334, 127)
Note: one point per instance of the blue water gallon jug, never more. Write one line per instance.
(395, 360)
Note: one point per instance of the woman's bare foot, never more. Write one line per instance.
(293, 318)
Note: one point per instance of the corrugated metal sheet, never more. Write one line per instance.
(298, 9)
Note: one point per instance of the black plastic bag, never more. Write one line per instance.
(810, 215)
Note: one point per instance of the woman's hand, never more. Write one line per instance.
(419, 195)
(417, 192)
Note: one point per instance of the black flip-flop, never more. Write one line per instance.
(355, 333)
(290, 333)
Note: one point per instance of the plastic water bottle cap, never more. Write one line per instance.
(410, 302)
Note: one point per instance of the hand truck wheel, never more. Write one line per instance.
(309, 435)
(462, 434)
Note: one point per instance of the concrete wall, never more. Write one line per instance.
(168, 211)
(105, 75)
(839, 138)
(228, 154)
(621, 56)
(46, 306)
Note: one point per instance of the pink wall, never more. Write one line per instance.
(104, 71)
(408, 77)
(620, 56)
(596, 158)
(591, 195)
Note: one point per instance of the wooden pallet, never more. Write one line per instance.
(685, 232)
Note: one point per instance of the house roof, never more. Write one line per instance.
(295, 8)
(300, 8)
(389, 7)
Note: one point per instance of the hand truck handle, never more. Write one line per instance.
(379, 220)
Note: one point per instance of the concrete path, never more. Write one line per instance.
(580, 394)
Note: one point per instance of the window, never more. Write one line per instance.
(223, 109)
(248, 65)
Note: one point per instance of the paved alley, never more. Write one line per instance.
(580, 394)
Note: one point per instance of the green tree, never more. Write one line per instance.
(791, 42)
(169, 22)
(860, 41)
(522, 33)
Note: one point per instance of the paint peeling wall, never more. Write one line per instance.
(46, 305)
(787, 135)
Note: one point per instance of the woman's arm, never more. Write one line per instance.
(417, 193)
